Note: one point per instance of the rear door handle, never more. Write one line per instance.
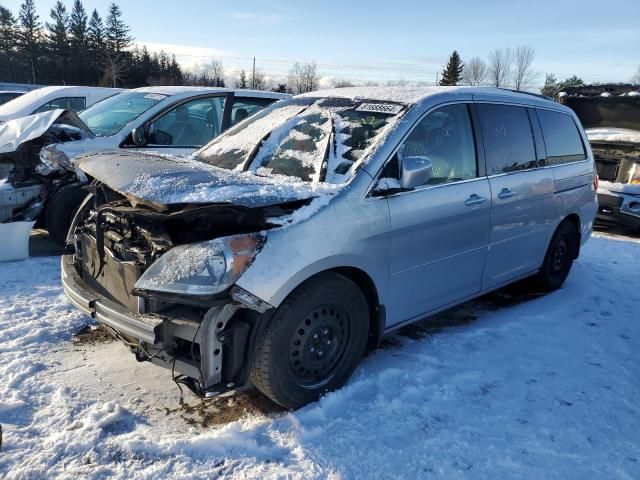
(474, 200)
(505, 193)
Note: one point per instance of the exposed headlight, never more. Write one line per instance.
(53, 160)
(203, 268)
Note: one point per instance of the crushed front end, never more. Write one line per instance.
(161, 279)
(610, 114)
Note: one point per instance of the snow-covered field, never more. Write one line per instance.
(503, 387)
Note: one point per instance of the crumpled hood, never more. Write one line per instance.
(166, 180)
(16, 132)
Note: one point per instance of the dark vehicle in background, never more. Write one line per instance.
(8, 95)
(610, 115)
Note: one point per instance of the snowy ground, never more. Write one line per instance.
(503, 387)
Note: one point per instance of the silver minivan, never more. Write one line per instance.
(291, 244)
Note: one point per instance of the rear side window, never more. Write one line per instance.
(245, 107)
(561, 137)
(508, 138)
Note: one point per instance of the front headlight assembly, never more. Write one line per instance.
(203, 268)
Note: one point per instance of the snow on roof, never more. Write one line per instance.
(25, 104)
(411, 95)
(178, 90)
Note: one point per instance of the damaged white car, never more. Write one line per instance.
(36, 151)
(610, 114)
(290, 244)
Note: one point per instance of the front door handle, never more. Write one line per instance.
(474, 200)
(505, 193)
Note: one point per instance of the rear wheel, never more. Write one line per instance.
(314, 341)
(60, 210)
(559, 258)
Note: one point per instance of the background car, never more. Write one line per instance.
(8, 95)
(610, 114)
(172, 120)
(52, 98)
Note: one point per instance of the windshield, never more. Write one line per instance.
(311, 139)
(112, 114)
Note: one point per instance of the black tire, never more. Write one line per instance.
(61, 208)
(562, 250)
(314, 341)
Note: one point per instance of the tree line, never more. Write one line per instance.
(75, 47)
(504, 67)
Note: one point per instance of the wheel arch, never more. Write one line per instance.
(377, 317)
(574, 219)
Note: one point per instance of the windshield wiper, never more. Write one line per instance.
(325, 158)
(254, 152)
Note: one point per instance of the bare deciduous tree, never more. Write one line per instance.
(474, 72)
(500, 61)
(304, 77)
(258, 81)
(522, 59)
(343, 83)
(215, 71)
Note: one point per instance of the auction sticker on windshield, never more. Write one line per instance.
(388, 108)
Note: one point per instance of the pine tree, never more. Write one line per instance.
(58, 42)
(78, 26)
(8, 40)
(30, 36)
(95, 33)
(453, 71)
(550, 85)
(116, 31)
(242, 81)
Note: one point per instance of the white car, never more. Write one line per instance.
(52, 98)
(172, 120)
(8, 95)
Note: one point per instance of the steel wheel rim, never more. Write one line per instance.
(319, 342)
(559, 255)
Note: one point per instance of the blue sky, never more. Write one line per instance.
(386, 40)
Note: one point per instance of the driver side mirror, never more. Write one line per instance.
(415, 172)
(139, 137)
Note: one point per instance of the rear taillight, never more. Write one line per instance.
(596, 180)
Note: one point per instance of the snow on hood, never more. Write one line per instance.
(16, 132)
(166, 180)
(613, 135)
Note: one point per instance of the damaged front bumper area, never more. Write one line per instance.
(617, 208)
(205, 352)
(147, 273)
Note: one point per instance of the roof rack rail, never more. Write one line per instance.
(544, 97)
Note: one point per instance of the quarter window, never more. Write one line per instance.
(445, 137)
(508, 138)
(561, 138)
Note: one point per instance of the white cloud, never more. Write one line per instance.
(187, 55)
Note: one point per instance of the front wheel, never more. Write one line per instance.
(314, 341)
(559, 258)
